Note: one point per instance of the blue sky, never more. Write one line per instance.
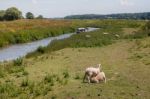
(61, 8)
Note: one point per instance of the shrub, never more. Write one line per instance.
(9, 89)
(77, 76)
(49, 79)
(143, 32)
(18, 61)
(25, 73)
(16, 69)
(41, 49)
(12, 14)
(2, 73)
(31, 87)
(25, 82)
(66, 74)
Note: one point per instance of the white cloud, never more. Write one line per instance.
(126, 3)
(34, 1)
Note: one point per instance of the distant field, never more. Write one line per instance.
(21, 31)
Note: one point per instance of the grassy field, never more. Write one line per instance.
(21, 31)
(56, 72)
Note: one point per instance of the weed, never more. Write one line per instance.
(16, 69)
(25, 82)
(49, 79)
(54, 97)
(10, 89)
(2, 73)
(66, 74)
(18, 62)
(41, 50)
(77, 76)
(25, 73)
(31, 87)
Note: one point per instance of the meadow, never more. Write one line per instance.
(56, 71)
(22, 31)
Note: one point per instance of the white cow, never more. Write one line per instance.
(100, 77)
(91, 72)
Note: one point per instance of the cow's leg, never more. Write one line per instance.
(88, 78)
(84, 77)
(104, 79)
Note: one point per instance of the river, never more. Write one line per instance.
(19, 50)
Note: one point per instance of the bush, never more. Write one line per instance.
(25, 82)
(66, 74)
(31, 87)
(29, 15)
(15, 69)
(9, 89)
(143, 32)
(12, 14)
(25, 73)
(41, 49)
(18, 61)
(77, 76)
(2, 74)
(49, 79)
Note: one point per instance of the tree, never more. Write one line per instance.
(29, 15)
(2, 13)
(40, 17)
(12, 14)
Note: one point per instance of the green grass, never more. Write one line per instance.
(61, 76)
(121, 72)
(22, 31)
(92, 39)
(56, 71)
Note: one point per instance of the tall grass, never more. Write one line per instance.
(91, 39)
(143, 32)
(22, 31)
(33, 89)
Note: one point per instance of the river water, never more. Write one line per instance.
(19, 50)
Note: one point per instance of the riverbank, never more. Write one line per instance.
(20, 50)
(22, 31)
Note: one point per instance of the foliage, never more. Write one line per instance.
(21, 31)
(2, 13)
(25, 82)
(39, 17)
(9, 89)
(142, 16)
(94, 39)
(66, 74)
(147, 26)
(18, 61)
(49, 79)
(2, 73)
(29, 15)
(143, 32)
(41, 49)
(12, 14)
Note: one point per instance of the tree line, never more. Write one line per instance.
(142, 16)
(14, 13)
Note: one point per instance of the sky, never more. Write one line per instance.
(61, 8)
